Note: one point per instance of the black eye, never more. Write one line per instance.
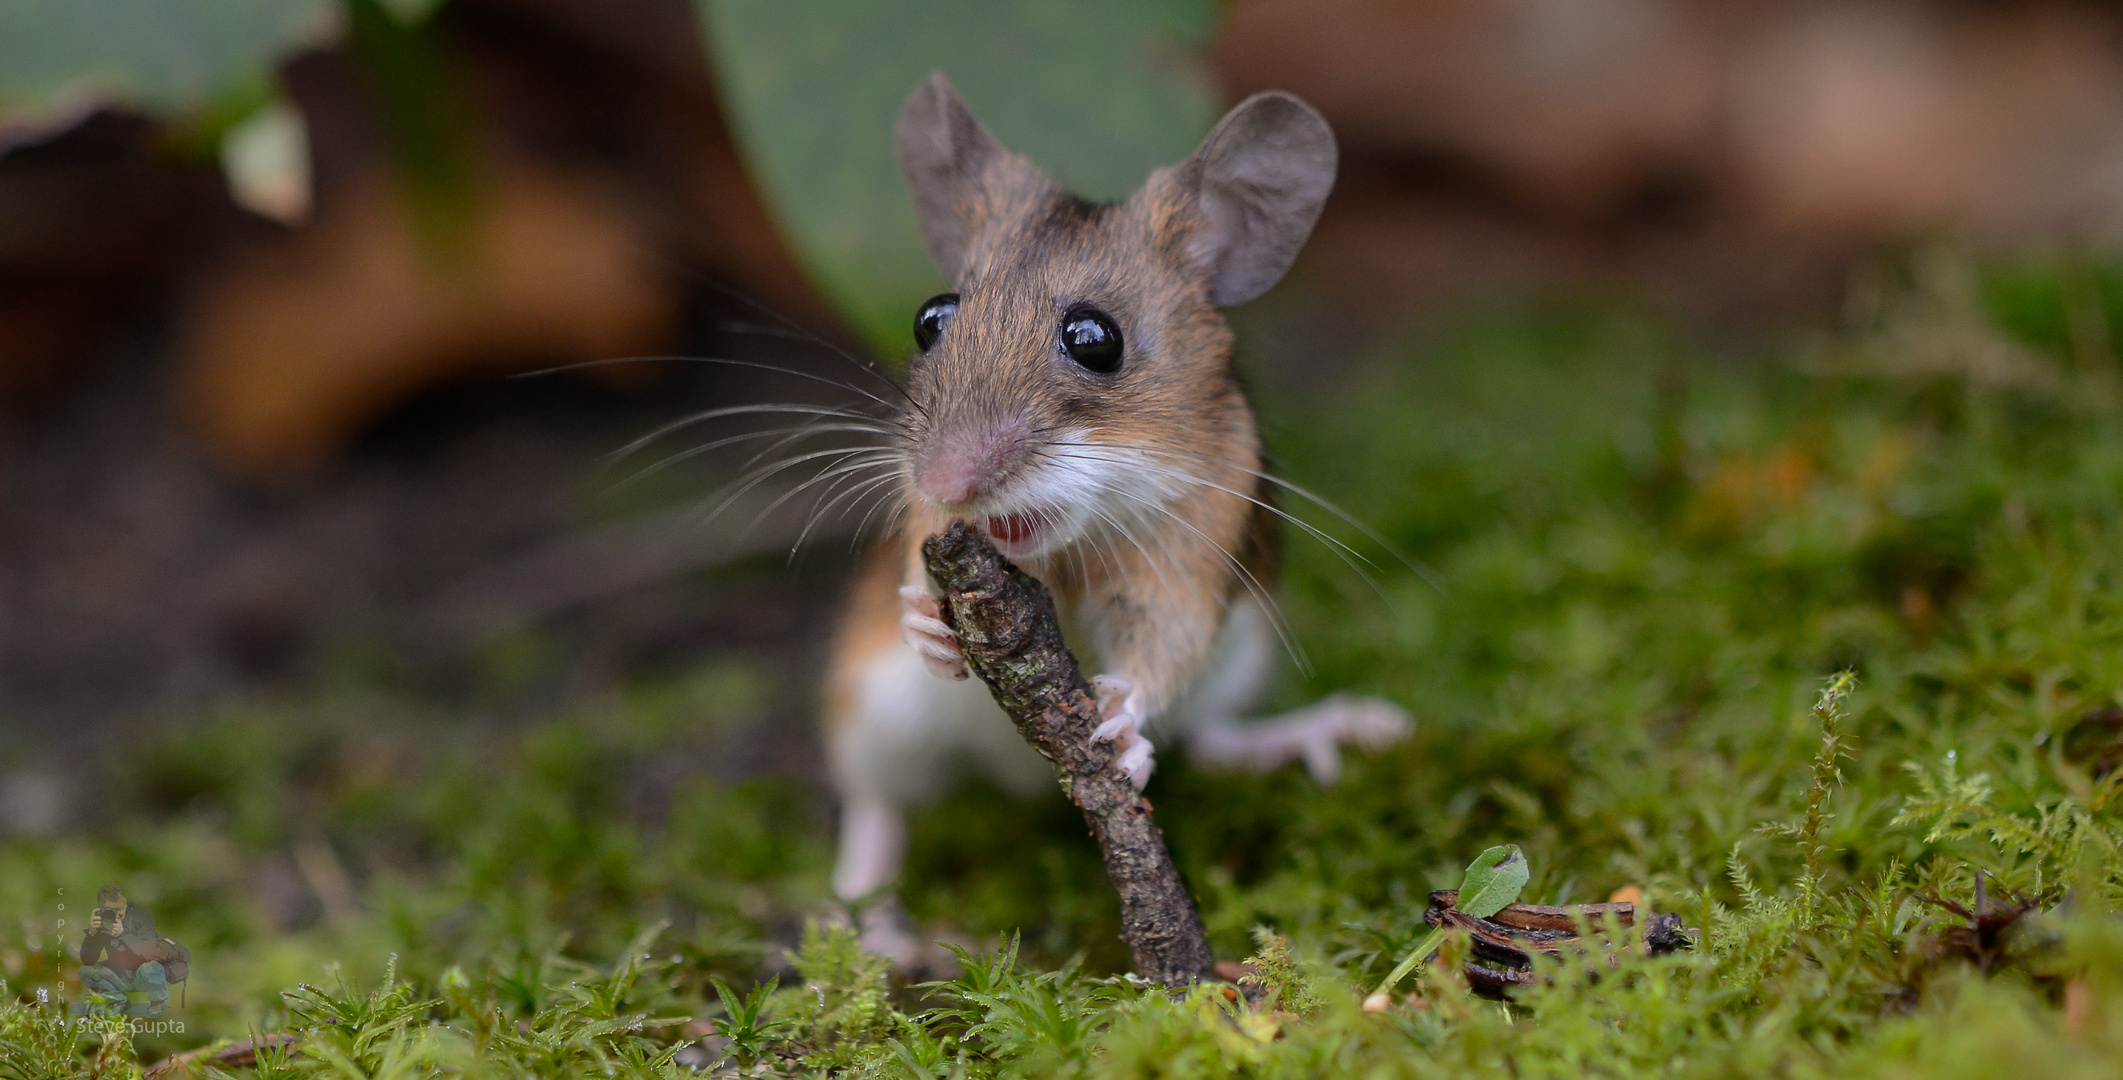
(1091, 338)
(935, 314)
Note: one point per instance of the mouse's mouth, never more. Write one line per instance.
(1016, 535)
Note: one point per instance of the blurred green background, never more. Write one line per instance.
(1098, 93)
(1695, 358)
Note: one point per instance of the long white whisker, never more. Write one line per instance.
(722, 360)
(1417, 568)
(745, 484)
(859, 491)
(1252, 583)
(1149, 556)
(794, 435)
(1349, 556)
(858, 487)
(795, 330)
(1156, 562)
(838, 468)
(898, 519)
(807, 338)
(863, 526)
(745, 410)
(1099, 550)
(786, 437)
(843, 475)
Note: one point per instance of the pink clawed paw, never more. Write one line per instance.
(1122, 710)
(921, 623)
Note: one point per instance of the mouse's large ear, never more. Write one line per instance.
(943, 148)
(1261, 178)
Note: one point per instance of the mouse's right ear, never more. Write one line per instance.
(943, 149)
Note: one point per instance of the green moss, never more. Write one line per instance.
(1639, 568)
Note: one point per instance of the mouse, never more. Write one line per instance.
(1072, 399)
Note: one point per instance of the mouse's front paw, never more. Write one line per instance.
(1122, 710)
(921, 623)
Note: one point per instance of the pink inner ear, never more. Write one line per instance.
(1265, 174)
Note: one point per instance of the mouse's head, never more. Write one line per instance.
(1079, 370)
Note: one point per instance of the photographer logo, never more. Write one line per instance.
(127, 966)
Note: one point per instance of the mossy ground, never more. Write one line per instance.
(1639, 564)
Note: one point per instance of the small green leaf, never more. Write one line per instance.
(1494, 879)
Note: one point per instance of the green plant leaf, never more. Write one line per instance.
(162, 55)
(1494, 880)
(1097, 92)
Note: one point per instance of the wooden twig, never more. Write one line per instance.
(1007, 628)
(1504, 943)
(240, 1054)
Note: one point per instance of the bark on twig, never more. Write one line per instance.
(1007, 628)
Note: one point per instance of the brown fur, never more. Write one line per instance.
(1146, 480)
(1038, 251)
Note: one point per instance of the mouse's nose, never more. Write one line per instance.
(965, 464)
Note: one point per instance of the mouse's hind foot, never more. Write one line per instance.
(1314, 734)
(888, 930)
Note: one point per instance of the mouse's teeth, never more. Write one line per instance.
(1014, 529)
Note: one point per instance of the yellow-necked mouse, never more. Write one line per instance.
(1073, 399)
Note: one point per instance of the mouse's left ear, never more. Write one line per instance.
(1260, 180)
(944, 152)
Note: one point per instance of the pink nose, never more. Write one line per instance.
(954, 483)
(962, 466)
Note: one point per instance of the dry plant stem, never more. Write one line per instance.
(1007, 628)
(241, 1054)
